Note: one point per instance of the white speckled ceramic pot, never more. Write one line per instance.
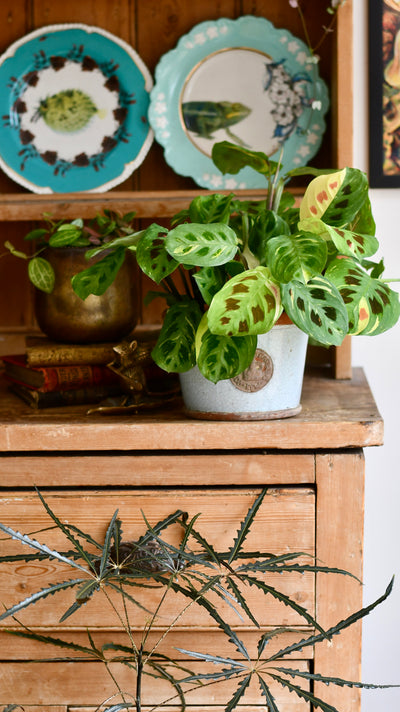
(270, 388)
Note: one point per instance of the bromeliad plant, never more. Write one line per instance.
(242, 263)
(201, 575)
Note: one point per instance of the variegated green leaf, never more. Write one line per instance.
(41, 274)
(67, 235)
(347, 242)
(266, 225)
(214, 208)
(317, 308)
(336, 198)
(209, 281)
(175, 350)
(152, 256)
(231, 158)
(200, 245)
(298, 256)
(99, 276)
(371, 305)
(247, 304)
(222, 357)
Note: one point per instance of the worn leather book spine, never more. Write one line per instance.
(48, 353)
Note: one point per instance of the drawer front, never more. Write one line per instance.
(284, 523)
(81, 687)
(156, 469)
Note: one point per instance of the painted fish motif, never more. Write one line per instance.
(67, 111)
(205, 117)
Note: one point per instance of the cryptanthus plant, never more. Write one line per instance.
(228, 267)
(142, 577)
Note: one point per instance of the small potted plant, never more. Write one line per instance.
(243, 264)
(76, 301)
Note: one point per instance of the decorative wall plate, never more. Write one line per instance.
(243, 81)
(73, 107)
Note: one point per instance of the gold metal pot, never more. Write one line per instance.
(63, 316)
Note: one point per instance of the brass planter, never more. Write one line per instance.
(63, 316)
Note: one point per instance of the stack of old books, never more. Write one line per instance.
(51, 374)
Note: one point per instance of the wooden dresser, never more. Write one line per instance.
(87, 466)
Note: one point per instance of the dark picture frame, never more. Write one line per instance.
(384, 93)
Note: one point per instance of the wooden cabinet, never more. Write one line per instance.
(87, 466)
(154, 191)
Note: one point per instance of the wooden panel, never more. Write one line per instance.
(213, 643)
(89, 684)
(340, 514)
(157, 470)
(160, 25)
(335, 414)
(285, 522)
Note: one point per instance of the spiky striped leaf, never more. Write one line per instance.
(221, 357)
(286, 600)
(334, 630)
(43, 593)
(67, 531)
(243, 685)
(245, 525)
(336, 198)
(299, 256)
(247, 304)
(304, 694)
(199, 598)
(152, 256)
(110, 535)
(41, 274)
(371, 305)
(43, 548)
(175, 350)
(317, 308)
(340, 682)
(268, 695)
(201, 245)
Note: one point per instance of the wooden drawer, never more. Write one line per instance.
(156, 469)
(285, 522)
(80, 687)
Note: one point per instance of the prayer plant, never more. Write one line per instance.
(196, 575)
(243, 262)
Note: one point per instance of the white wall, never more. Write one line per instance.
(380, 356)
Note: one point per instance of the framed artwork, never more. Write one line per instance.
(384, 93)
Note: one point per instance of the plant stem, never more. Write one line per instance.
(139, 672)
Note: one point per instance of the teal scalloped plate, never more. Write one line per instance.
(73, 104)
(242, 81)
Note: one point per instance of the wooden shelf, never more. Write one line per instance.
(335, 414)
(146, 204)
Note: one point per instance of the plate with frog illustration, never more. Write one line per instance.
(243, 81)
(74, 101)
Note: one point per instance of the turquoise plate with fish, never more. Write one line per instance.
(73, 105)
(243, 81)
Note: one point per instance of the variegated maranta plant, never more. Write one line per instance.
(242, 263)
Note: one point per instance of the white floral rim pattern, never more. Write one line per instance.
(239, 80)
